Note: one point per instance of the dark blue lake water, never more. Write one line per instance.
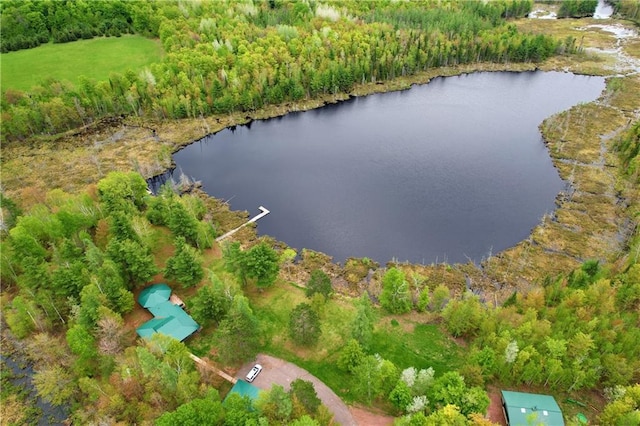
(448, 171)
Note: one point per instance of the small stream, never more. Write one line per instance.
(21, 375)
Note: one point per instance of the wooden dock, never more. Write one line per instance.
(216, 370)
(263, 213)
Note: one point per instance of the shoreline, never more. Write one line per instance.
(147, 146)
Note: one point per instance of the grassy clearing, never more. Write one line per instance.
(94, 58)
(408, 344)
(418, 345)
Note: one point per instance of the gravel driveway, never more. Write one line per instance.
(278, 371)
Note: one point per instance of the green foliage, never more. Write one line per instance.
(122, 192)
(25, 243)
(239, 410)
(69, 279)
(55, 385)
(629, 9)
(275, 404)
(423, 300)
(32, 23)
(108, 279)
(440, 298)
(628, 295)
(464, 317)
(234, 260)
(577, 8)
(589, 272)
(91, 299)
(304, 392)
(304, 421)
(350, 356)
(238, 334)
(83, 345)
(10, 212)
(22, 317)
(197, 412)
(261, 263)
(628, 147)
(134, 260)
(319, 282)
(624, 407)
(121, 226)
(304, 325)
(362, 327)
(401, 396)
(368, 379)
(163, 363)
(450, 389)
(211, 302)
(213, 52)
(185, 266)
(395, 297)
(182, 223)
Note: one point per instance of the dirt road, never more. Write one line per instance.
(278, 371)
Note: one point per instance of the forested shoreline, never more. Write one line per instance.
(221, 58)
(71, 263)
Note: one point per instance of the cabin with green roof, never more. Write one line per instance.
(523, 409)
(169, 318)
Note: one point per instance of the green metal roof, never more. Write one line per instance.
(154, 295)
(245, 388)
(524, 409)
(169, 319)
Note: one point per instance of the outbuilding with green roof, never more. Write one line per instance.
(523, 409)
(245, 389)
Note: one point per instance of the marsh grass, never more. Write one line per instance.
(95, 59)
(579, 141)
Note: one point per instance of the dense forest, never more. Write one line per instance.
(72, 263)
(241, 56)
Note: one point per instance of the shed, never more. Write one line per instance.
(244, 389)
(522, 409)
(169, 319)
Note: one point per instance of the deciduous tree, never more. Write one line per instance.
(395, 296)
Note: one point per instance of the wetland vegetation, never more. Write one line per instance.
(557, 313)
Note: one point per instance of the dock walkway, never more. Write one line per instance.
(216, 370)
(263, 213)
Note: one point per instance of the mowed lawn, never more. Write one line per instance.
(95, 59)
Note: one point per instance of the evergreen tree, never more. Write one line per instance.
(185, 266)
(211, 302)
(261, 263)
(319, 282)
(304, 325)
(238, 333)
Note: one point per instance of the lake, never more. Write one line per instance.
(453, 170)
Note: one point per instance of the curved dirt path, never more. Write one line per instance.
(281, 372)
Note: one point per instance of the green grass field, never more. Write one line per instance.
(414, 345)
(94, 58)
